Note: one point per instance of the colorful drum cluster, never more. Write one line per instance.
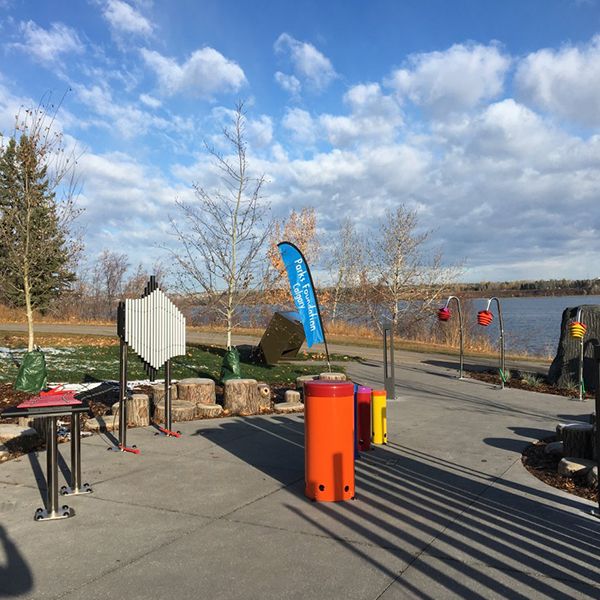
(485, 317)
(577, 329)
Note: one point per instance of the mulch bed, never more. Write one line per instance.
(544, 467)
(543, 387)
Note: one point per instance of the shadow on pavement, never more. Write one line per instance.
(15, 575)
(424, 509)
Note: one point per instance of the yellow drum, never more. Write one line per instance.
(379, 417)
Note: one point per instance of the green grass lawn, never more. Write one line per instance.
(79, 364)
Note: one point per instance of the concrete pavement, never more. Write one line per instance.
(446, 510)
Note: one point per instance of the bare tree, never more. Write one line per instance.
(108, 282)
(38, 188)
(344, 266)
(221, 234)
(403, 281)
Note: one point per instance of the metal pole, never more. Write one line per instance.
(596, 511)
(462, 348)
(168, 420)
(501, 325)
(123, 395)
(51, 468)
(76, 488)
(580, 370)
(389, 374)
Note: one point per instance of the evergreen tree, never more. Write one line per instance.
(35, 255)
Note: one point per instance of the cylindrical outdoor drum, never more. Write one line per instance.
(379, 417)
(363, 430)
(329, 440)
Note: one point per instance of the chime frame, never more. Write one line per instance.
(460, 323)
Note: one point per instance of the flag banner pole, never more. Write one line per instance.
(304, 294)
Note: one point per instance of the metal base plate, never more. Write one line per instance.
(595, 512)
(132, 449)
(66, 490)
(163, 431)
(41, 514)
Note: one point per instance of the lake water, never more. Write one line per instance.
(532, 324)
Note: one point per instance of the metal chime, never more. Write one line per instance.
(484, 318)
(577, 330)
(154, 328)
(444, 315)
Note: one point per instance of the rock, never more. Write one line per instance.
(575, 466)
(241, 397)
(208, 411)
(292, 396)
(564, 367)
(106, 423)
(180, 411)
(288, 407)
(555, 448)
(300, 381)
(198, 390)
(264, 390)
(10, 431)
(332, 376)
(158, 392)
(578, 439)
(138, 410)
(4, 453)
(592, 477)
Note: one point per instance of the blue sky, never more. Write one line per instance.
(483, 116)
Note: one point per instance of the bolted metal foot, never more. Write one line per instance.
(595, 512)
(41, 514)
(119, 448)
(163, 431)
(66, 490)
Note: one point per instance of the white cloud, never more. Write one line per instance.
(123, 18)
(260, 131)
(564, 82)
(48, 45)
(206, 73)
(456, 79)
(301, 125)
(289, 83)
(307, 62)
(150, 101)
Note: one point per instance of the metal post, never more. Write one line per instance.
(123, 396)
(168, 419)
(389, 374)
(501, 325)
(461, 332)
(52, 510)
(596, 511)
(580, 369)
(75, 488)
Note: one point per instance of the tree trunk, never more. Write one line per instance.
(578, 440)
(29, 313)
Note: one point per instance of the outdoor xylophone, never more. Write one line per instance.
(154, 328)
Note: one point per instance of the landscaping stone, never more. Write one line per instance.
(574, 466)
(10, 431)
(241, 397)
(288, 407)
(198, 390)
(332, 376)
(592, 477)
(292, 396)
(564, 367)
(4, 453)
(208, 411)
(180, 411)
(555, 448)
(105, 423)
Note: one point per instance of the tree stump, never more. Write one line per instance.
(138, 410)
(196, 390)
(300, 381)
(578, 439)
(332, 377)
(180, 411)
(264, 391)
(158, 392)
(241, 397)
(208, 411)
(292, 396)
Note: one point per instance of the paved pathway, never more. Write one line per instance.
(445, 511)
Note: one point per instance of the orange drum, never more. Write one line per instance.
(329, 440)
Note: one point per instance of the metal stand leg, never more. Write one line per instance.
(122, 447)
(168, 423)
(75, 488)
(389, 375)
(596, 511)
(52, 510)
